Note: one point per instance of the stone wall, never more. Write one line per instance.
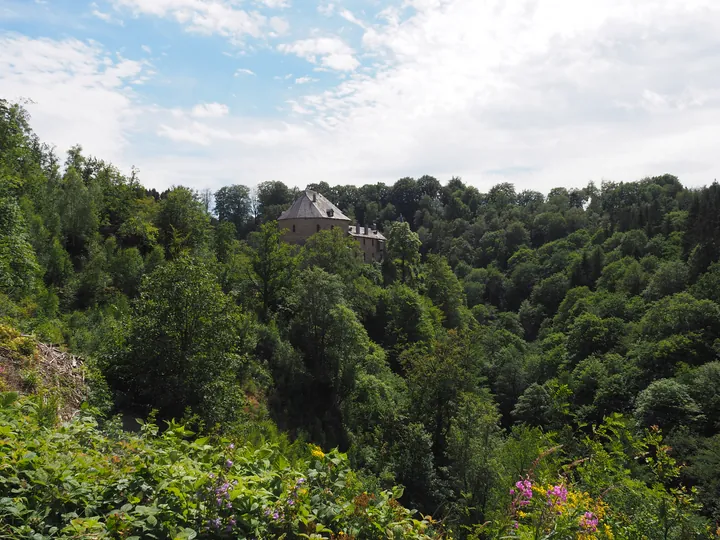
(297, 231)
(373, 249)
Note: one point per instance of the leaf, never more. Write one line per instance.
(186, 534)
(8, 398)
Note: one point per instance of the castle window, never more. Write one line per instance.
(363, 241)
(293, 228)
(318, 228)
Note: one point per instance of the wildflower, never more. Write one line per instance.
(525, 487)
(228, 505)
(232, 522)
(556, 497)
(316, 451)
(228, 463)
(231, 446)
(267, 511)
(219, 502)
(589, 522)
(290, 502)
(300, 481)
(276, 516)
(211, 475)
(214, 523)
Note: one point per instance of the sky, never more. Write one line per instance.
(207, 93)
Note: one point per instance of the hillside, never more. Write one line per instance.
(523, 364)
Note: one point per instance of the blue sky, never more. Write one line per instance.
(540, 93)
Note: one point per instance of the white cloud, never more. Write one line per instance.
(275, 4)
(538, 92)
(328, 52)
(326, 9)
(146, 48)
(348, 16)
(244, 71)
(107, 17)
(279, 26)
(304, 80)
(209, 110)
(81, 94)
(220, 17)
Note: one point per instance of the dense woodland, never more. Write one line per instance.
(524, 364)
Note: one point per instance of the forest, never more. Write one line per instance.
(521, 364)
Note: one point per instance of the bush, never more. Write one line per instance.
(75, 481)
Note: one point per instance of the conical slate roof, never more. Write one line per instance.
(312, 205)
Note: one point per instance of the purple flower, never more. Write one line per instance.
(556, 495)
(231, 446)
(291, 502)
(589, 522)
(300, 481)
(276, 516)
(232, 522)
(525, 487)
(228, 463)
(219, 502)
(214, 523)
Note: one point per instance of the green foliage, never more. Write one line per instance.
(497, 341)
(184, 345)
(403, 249)
(76, 481)
(18, 266)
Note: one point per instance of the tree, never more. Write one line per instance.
(672, 277)
(184, 340)
(667, 404)
(272, 198)
(333, 251)
(473, 444)
(233, 204)
(78, 214)
(19, 268)
(589, 334)
(436, 376)
(272, 266)
(333, 343)
(444, 289)
(403, 249)
(183, 223)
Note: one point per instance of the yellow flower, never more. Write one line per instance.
(316, 451)
(608, 531)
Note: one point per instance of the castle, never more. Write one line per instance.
(312, 212)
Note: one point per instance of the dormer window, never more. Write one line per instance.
(330, 212)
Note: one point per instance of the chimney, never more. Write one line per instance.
(375, 228)
(314, 197)
(366, 229)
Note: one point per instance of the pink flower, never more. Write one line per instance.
(589, 522)
(556, 496)
(525, 487)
